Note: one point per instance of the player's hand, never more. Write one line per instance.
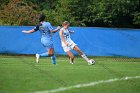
(58, 27)
(66, 44)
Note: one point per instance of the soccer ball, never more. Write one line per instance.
(91, 62)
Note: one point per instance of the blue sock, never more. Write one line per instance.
(44, 54)
(53, 59)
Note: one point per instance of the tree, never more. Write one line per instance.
(59, 13)
(17, 12)
(3, 2)
(113, 13)
(100, 13)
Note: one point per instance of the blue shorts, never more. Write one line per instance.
(47, 42)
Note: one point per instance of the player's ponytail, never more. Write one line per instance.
(42, 18)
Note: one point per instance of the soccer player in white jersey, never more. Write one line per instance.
(45, 29)
(69, 45)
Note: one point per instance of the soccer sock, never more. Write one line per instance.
(44, 54)
(71, 61)
(53, 59)
(85, 57)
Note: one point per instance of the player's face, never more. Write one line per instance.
(66, 26)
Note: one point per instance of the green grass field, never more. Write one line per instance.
(20, 74)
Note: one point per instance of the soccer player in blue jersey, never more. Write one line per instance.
(45, 29)
(69, 45)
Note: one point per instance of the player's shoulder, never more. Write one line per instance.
(62, 30)
(37, 27)
(47, 23)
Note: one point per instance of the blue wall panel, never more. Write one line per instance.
(92, 41)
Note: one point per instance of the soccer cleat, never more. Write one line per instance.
(91, 62)
(37, 58)
(71, 62)
(54, 62)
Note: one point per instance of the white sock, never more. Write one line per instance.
(85, 57)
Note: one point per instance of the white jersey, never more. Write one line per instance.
(66, 35)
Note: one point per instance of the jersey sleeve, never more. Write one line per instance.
(61, 29)
(50, 27)
(36, 28)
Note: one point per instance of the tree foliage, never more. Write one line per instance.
(17, 12)
(100, 13)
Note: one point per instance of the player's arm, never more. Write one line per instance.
(28, 31)
(55, 30)
(51, 28)
(31, 31)
(62, 37)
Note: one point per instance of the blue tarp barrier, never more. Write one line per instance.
(91, 40)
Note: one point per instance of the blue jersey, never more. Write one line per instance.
(45, 30)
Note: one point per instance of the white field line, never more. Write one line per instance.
(87, 84)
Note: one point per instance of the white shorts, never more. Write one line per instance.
(69, 47)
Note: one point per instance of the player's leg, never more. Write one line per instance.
(67, 49)
(45, 42)
(71, 56)
(89, 61)
(41, 55)
(46, 54)
(48, 44)
(76, 48)
(51, 53)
